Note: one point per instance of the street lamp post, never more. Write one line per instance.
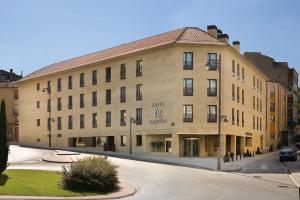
(131, 120)
(49, 114)
(211, 65)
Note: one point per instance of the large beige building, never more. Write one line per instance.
(9, 93)
(168, 83)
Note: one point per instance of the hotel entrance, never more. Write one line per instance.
(191, 147)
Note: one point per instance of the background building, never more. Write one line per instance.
(168, 84)
(288, 78)
(9, 93)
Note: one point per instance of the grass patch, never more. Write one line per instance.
(35, 183)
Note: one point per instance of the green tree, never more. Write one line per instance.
(4, 147)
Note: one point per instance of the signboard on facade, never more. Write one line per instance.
(157, 109)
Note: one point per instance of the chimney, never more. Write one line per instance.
(224, 38)
(212, 30)
(219, 32)
(236, 45)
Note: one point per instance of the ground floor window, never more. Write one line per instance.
(191, 147)
(139, 140)
(123, 140)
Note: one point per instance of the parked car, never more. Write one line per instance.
(287, 154)
(297, 145)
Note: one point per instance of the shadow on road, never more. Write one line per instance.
(3, 179)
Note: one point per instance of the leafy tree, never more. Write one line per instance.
(4, 147)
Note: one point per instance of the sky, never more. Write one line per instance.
(37, 33)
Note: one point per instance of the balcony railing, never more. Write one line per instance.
(188, 65)
(211, 91)
(212, 119)
(187, 119)
(213, 64)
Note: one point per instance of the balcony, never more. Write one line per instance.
(213, 64)
(211, 91)
(212, 118)
(188, 65)
(187, 119)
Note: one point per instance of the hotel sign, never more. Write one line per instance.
(157, 109)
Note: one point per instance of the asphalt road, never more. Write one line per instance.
(157, 181)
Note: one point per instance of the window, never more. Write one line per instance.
(70, 83)
(243, 98)
(58, 123)
(59, 104)
(257, 85)
(108, 96)
(70, 102)
(81, 100)
(188, 87)
(49, 124)
(260, 124)
(260, 87)
(187, 113)
(139, 92)
(94, 77)
(70, 122)
(212, 61)
(94, 120)
(212, 113)
(139, 116)
(123, 117)
(272, 107)
(139, 140)
(82, 121)
(81, 79)
(123, 94)
(238, 94)
(238, 71)
(188, 60)
(38, 104)
(38, 122)
(59, 85)
(123, 71)
(49, 87)
(242, 119)
(232, 116)
(108, 119)
(139, 64)
(16, 94)
(254, 82)
(233, 68)
(243, 74)
(257, 104)
(107, 74)
(212, 87)
(256, 123)
(233, 93)
(49, 105)
(253, 102)
(237, 117)
(253, 120)
(123, 140)
(94, 99)
(38, 86)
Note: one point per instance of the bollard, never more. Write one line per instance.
(240, 156)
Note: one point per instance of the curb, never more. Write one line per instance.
(130, 157)
(125, 191)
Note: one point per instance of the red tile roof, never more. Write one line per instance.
(187, 35)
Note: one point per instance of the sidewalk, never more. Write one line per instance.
(209, 163)
(294, 170)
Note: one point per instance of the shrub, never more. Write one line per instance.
(95, 174)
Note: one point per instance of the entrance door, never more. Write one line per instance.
(191, 147)
(238, 145)
(168, 145)
(111, 143)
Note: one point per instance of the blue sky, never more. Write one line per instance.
(35, 33)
